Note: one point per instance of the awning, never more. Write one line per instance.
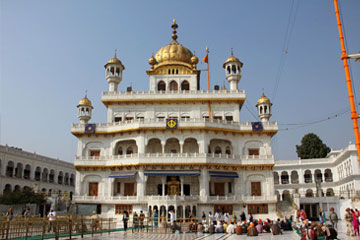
(172, 173)
(122, 174)
(224, 174)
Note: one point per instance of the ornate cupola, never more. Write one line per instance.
(114, 69)
(84, 110)
(173, 59)
(232, 68)
(264, 108)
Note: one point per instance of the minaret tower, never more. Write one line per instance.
(264, 108)
(114, 69)
(84, 110)
(232, 68)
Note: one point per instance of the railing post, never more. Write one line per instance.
(82, 226)
(109, 226)
(7, 229)
(70, 226)
(44, 228)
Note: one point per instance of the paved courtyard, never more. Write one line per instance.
(194, 236)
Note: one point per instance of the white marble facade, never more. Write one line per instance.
(135, 162)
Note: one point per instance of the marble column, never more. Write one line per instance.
(182, 185)
(140, 183)
(204, 184)
(163, 181)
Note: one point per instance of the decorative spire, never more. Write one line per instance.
(174, 26)
(232, 52)
(86, 93)
(115, 53)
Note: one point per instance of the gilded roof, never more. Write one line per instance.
(85, 101)
(263, 99)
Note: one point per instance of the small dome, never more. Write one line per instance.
(85, 101)
(263, 99)
(115, 60)
(232, 59)
(194, 59)
(152, 60)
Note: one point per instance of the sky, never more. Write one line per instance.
(52, 51)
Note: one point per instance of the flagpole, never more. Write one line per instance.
(208, 76)
(354, 115)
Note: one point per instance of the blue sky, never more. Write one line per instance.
(52, 51)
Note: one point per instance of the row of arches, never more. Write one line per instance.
(180, 211)
(309, 193)
(173, 85)
(39, 174)
(173, 145)
(9, 188)
(309, 177)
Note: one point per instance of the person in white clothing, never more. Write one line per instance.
(51, 216)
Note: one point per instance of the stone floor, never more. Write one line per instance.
(193, 236)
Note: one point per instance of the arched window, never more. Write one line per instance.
(129, 150)
(261, 109)
(120, 151)
(217, 150)
(173, 86)
(233, 69)
(228, 151)
(185, 86)
(228, 69)
(265, 109)
(161, 86)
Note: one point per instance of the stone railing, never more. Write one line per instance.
(143, 158)
(183, 94)
(186, 122)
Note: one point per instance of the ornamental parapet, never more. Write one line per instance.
(183, 124)
(172, 199)
(173, 158)
(173, 96)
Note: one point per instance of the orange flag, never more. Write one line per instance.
(206, 58)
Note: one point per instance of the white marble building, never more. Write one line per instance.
(328, 182)
(161, 149)
(20, 169)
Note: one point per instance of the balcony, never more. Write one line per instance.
(177, 158)
(78, 128)
(178, 96)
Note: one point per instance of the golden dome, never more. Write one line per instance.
(174, 52)
(263, 99)
(115, 60)
(232, 59)
(152, 60)
(85, 101)
(194, 59)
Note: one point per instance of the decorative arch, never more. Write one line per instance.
(161, 86)
(284, 177)
(309, 193)
(92, 146)
(154, 146)
(190, 146)
(185, 86)
(122, 146)
(173, 85)
(252, 147)
(294, 177)
(307, 176)
(172, 145)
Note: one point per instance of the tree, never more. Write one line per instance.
(312, 147)
(22, 197)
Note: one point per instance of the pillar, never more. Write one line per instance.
(77, 183)
(182, 185)
(163, 146)
(204, 184)
(163, 181)
(181, 146)
(140, 183)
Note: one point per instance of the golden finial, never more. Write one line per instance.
(207, 49)
(232, 52)
(86, 93)
(115, 53)
(263, 92)
(174, 26)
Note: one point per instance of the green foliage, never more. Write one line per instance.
(312, 147)
(22, 197)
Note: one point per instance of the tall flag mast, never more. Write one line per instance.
(206, 59)
(344, 56)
